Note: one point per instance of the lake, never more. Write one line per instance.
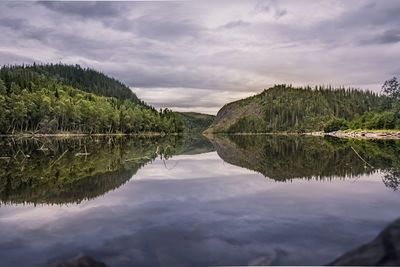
(193, 201)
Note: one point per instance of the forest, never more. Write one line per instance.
(385, 116)
(284, 108)
(63, 98)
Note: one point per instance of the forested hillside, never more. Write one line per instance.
(87, 80)
(196, 122)
(286, 109)
(61, 98)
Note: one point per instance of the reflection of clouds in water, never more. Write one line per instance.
(203, 213)
(206, 165)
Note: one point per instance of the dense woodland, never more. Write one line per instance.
(385, 115)
(62, 98)
(286, 109)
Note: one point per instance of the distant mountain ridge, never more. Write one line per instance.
(196, 122)
(286, 109)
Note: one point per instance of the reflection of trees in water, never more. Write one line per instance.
(66, 170)
(287, 157)
(392, 178)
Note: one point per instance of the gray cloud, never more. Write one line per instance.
(240, 48)
(24, 29)
(388, 37)
(86, 9)
(372, 13)
(236, 23)
(270, 6)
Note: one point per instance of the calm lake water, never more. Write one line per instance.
(174, 201)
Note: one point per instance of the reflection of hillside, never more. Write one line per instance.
(85, 188)
(286, 157)
(196, 144)
(74, 169)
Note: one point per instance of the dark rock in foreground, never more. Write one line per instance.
(81, 261)
(383, 250)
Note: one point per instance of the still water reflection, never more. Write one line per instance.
(174, 201)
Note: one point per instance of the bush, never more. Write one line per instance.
(336, 125)
(375, 121)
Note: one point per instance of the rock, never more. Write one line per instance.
(81, 261)
(383, 250)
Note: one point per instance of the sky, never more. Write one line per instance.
(199, 55)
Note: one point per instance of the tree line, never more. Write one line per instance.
(385, 115)
(62, 98)
(284, 108)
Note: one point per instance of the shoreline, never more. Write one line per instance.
(87, 134)
(366, 134)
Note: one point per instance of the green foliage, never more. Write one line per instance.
(385, 116)
(59, 98)
(286, 109)
(375, 121)
(84, 79)
(250, 123)
(196, 122)
(336, 125)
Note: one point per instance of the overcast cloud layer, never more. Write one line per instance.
(199, 55)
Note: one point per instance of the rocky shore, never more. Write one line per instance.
(361, 134)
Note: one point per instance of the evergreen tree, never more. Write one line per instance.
(56, 98)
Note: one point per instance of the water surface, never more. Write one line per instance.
(174, 201)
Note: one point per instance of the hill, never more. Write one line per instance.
(286, 109)
(84, 79)
(63, 98)
(196, 122)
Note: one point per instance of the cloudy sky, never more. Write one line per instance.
(198, 55)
